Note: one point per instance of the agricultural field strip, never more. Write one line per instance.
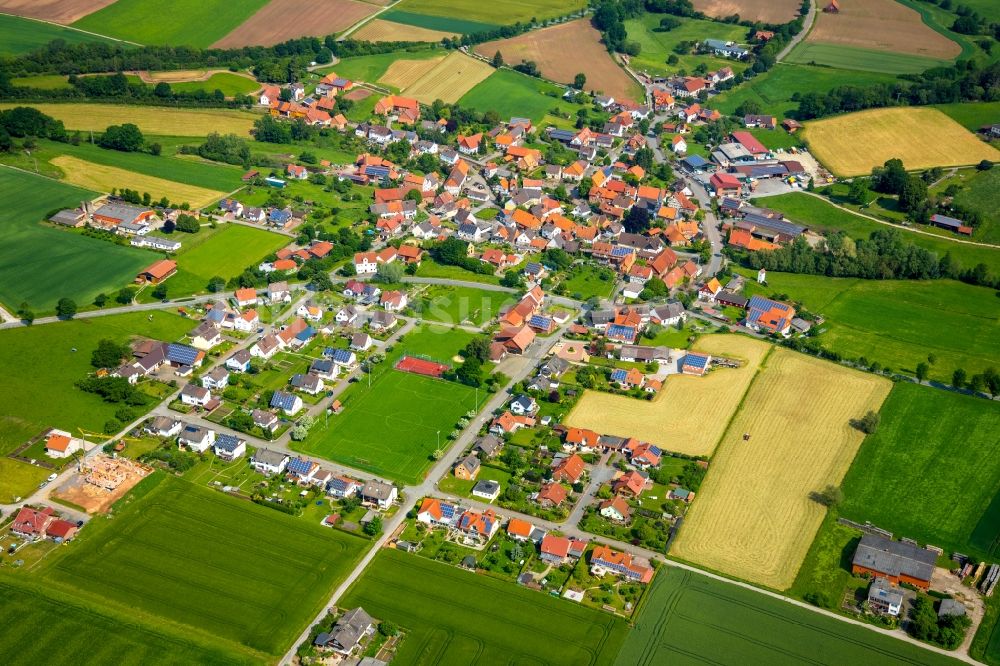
(162, 121)
(449, 79)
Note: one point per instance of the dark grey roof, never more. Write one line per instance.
(487, 487)
(951, 607)
(351, 627)
(377, 489)
(489, 445)
(894, 558)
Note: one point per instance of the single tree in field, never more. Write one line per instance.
(66, 308)
(922, 369)
(498, 60)
(867, 424)
(829, 496)
(958, 378)
(579, 81)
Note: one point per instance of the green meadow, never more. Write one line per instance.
(22, 35)
(658, 46)
(455, 305)
(511, 94)
(187, 22)
(371, 68)
(853, 58)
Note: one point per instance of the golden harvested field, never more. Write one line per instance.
(378, 30)
(281, 20)
(753, 518)
(563, 51)
(451, 78)
(57, 11)
(150, 119)
(182, 75)
(850, 145)
(884, 25)
(103, 178)
(403, 73)
(690, 414)
(767, 11)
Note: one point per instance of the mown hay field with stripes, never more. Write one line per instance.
(104, 178)
(379, 30)
(851, 144)
(403, 73)
(179, 554)
(676, 419)
(451, 78)
(753, 518)
(454, 617)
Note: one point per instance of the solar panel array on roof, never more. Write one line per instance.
(619, 331)
(778, 226)
(299, 466)
(306, 334)
(342, 356)
(283, 400)
(538, 321)
(227, 442)
(620, 251)
(561, 135)
(181, 354)
(696, 361)
(447, 511)
(619, 375)
(655, 450)
(695, 161)
(377, 171)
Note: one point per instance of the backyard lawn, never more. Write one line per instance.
(584, 281)
(457, 305)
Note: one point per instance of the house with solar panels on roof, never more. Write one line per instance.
(289, 403)
(196, 438)
(301, 470)
(437, 512)
(695, 364)
(621, 333)
(767, 316)
(229, 447)
(542, 324)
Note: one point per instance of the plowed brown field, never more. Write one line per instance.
(768, 11)
(753, 518)
(563, 51)
(57, 11)
(281, 20)
(885, 25)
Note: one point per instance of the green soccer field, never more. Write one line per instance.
(40, 264)
(226, 569)
(931, 471)
(899, 323)
(186, 23)
(692, 619)
(453, 617)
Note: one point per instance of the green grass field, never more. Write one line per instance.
(446, 23)
(513, 94)
(981, 192)
(455, 305)
(181, 554)
(455, 617)
(820, 215)
(188, 23)
(972, 115)
(774, 89)
(43, 81)
(866, 60)
(222, 177)
(391, 428)
(931, 471)
(40, 625)
(586, 280)
(691, 619)
(21, 35)
(40, 264)
(430, 269)
(226, 252)
(900, 322)
(658, 46)
(371, 68)
(230, 84)
(482, 13)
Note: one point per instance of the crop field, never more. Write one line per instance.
(687, 618)
(57, 11)
(40, 264)
(765, 11)
(391, 428)
(150, 119)
(658, 46)
(188, 23)
(403, 73)
(900, 322)
(971, 115)
(563, 51)
(449, 79)
(931, 444)
(184, 554)
(774, 89)
(448, 23)
(226, 252)
(501, 13)
(55, 357)
(378, 30)
(41, 626)
(372, 68)
(462, 618)
(511, 93)
(674, 419)
(21, 35)
(753, 519)
(850, 145)
(455, 305)
(281, 20)
(104, 178)
(883, 25)
(820, 215)
(864, 59)
(229, 83)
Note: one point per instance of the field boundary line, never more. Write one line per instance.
(70, 27)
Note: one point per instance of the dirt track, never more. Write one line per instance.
(281, 20)
(563, 51)
(57, 11)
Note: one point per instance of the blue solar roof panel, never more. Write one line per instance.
(539, 321)
(182, 354)
(341, 355)
(619, 331)
(306, 334)
(696, 360)
(619, 375)
(447, 511)
(227, 442)
(621, 251)
(282, 400)
(299, 465)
